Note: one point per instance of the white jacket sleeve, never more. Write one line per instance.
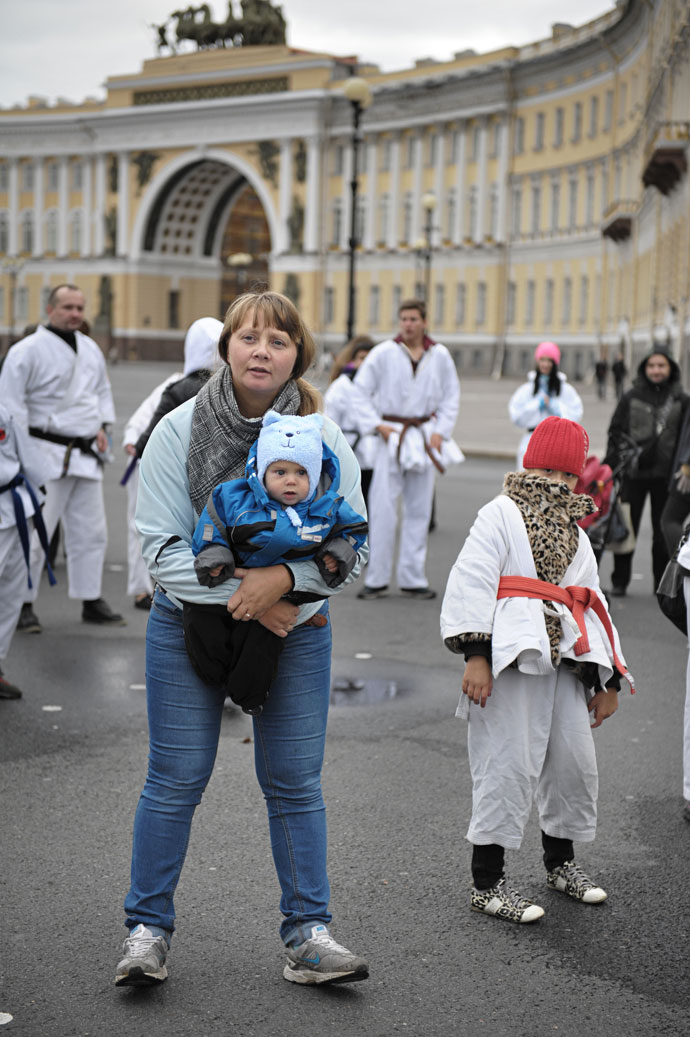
(448, 407)
(524, 407)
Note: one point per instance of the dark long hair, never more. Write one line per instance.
(554, 380)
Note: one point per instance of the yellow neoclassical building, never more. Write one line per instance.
(550, 181)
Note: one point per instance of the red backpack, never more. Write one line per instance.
(596, 481)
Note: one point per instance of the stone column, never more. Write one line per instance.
(501, 229)
(38, 206)
(482, 185)
(459, 228)
(86, 207)
(313, 207)
(122, 203)
(417, 192)
(394, 215)
(369, 235)
(98, 215)
(346, 200)
(439, 215)
(63, 205)
(284, 195)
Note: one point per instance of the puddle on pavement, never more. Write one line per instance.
(363, 691)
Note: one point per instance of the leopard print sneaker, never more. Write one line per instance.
(504, 903)
(570, 878)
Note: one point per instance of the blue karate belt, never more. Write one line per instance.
(23, 527)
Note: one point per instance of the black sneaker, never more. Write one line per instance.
(28, 620)
(7, 690)
(423, 593)
(617, 592)
(369, 593)
(99, 611)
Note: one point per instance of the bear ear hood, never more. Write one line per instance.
(289, 437)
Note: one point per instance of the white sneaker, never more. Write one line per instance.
(144, 959)
(321, 960)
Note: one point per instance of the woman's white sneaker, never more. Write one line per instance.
(569, 878)
(502, 902)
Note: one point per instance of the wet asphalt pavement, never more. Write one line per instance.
(73, 759)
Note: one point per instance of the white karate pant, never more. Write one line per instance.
(388, 485)
(13, 584)
(78, 505)
(532, 740)
(138, 579)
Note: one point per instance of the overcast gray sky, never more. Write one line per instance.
(67, 48)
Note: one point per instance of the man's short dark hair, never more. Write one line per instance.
(52, 298)
(413, 304)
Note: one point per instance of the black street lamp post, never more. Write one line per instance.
(358, 93)
(429, 204)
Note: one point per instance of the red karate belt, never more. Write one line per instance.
(577, 599)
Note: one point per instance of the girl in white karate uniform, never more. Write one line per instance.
(543, 667)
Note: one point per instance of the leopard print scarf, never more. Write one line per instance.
(550, 512)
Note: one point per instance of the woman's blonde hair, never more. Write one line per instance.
(358, 344)
(276, 311)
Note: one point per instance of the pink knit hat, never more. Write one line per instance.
(557, 443)
(548, 349)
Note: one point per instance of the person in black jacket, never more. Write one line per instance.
(649, 414)
(677, 507)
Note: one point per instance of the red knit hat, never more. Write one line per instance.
(559, 444)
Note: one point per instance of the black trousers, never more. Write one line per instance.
(487, 861)
(676, 510)
(635, 491)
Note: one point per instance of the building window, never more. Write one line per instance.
(510, 304)
(28, 176)
(539, 131)
(173, 309)
(22, 303)
(410, 150)
(493, 211)
(454, 149)
(577, 122)
(338, 159)
(555, 206)
(75, 232)
(432, 150)
(567, 301)
(529, 304)
(52, 174)
(51, 231)
(439, 305)
(460, 300)
(472, 212)
(589, 215)
(536, 209)
(4, 233)
(337, 224)
(2, 302)
(495, 139)
(45, 296)
(360, 220)
(481, 303)
(77, 176)
(560, 122)
(4, 176)
(516, 212)
(407, 218)
(328, 306)
(548, 304)
(450, 214)
(27, 226)
(384, 208)
(396, 299)
(584, 299)
(519, 140)
(608, 111)
(385, 154)
(623, 102)
(593, 116)
(474, 153)
(604, 186)
(572, 205)
(374, 296)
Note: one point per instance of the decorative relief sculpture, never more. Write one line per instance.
(144, 161)
(262, 24)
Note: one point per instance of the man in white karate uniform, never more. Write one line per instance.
(55, 385)
(409, 393)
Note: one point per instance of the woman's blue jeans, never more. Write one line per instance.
(289, 738)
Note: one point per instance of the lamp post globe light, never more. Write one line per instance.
(358, 93)
(428, 204)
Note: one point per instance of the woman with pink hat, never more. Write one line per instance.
(546, 393)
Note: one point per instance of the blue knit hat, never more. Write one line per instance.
(288, 437)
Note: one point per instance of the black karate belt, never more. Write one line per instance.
(71, 442)
(23, 527)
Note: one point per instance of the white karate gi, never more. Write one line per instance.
(533, 738)
(339, 403)
(17, 454)
(526, 411)
(388, 384)
(46, 385)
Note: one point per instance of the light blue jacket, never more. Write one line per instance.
(166, 519)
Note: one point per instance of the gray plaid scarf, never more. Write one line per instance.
(222, 437)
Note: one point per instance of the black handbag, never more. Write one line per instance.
(671, 592)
